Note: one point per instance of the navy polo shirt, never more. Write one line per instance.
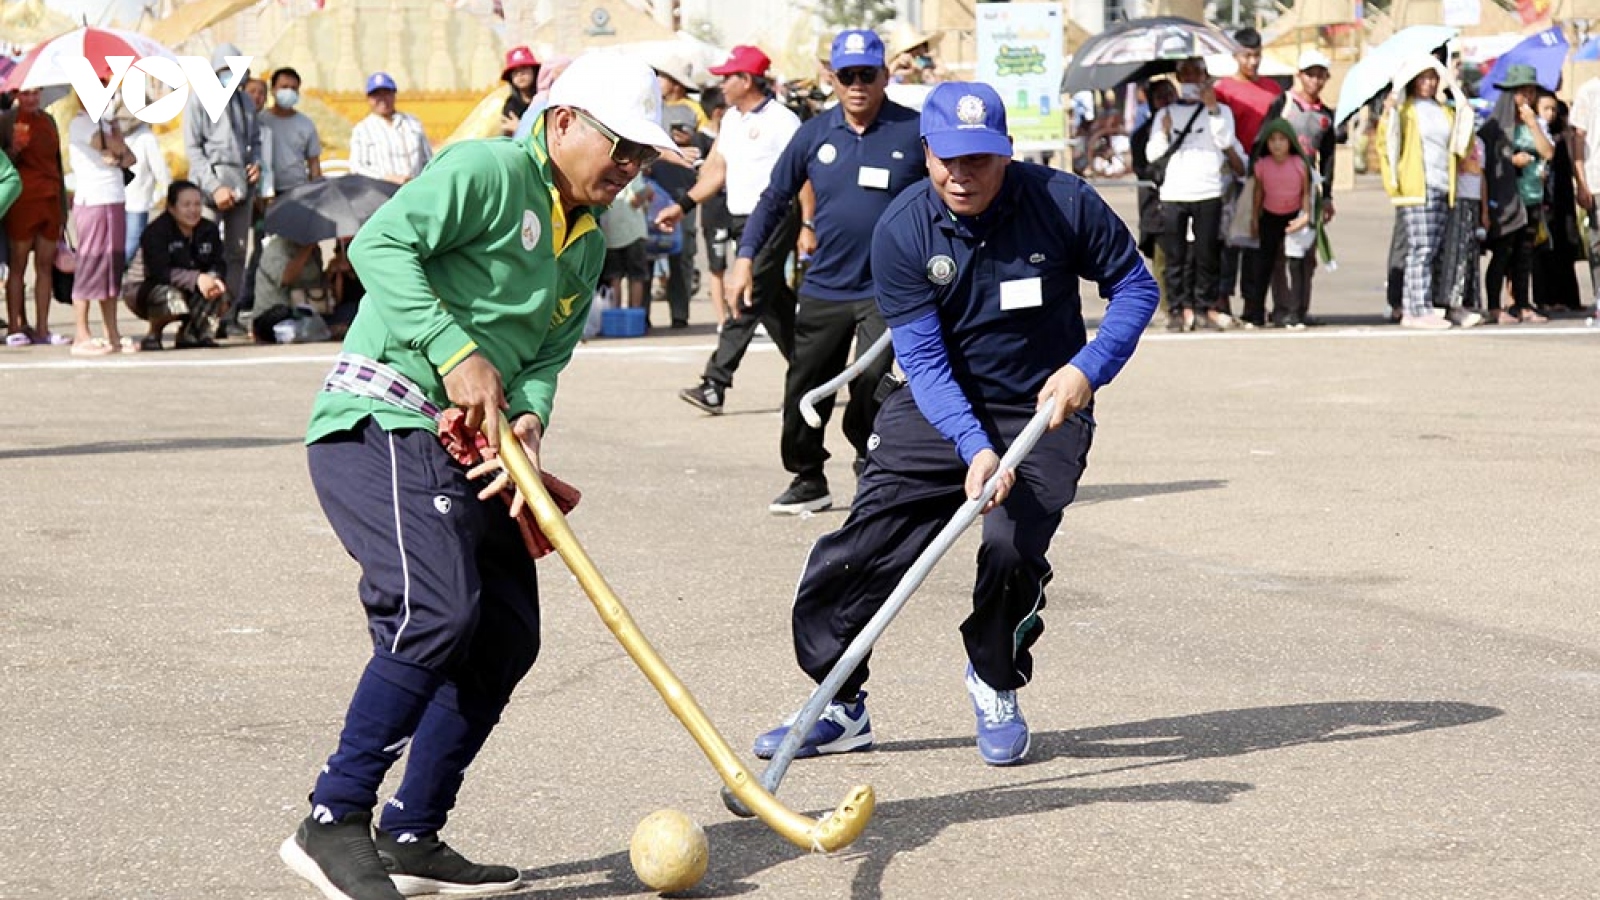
(855, 177)
(1044, 231)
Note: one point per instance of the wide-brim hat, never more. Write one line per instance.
(678, 69)
(1518, 76)
(904, 38)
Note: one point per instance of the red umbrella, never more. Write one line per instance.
(41, 69)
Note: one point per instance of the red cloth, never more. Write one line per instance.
(1248, 100)
(471, 449)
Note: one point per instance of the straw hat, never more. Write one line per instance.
(903, 38)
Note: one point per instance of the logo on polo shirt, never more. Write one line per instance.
(873, 442)
(442, 504)
(1036, 258)
(941, 270)
(827, 154)
(530, 229)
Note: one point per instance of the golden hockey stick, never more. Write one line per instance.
(833, 831)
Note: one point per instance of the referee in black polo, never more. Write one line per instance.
(977, 275)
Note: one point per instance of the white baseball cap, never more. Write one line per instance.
(620, 92)
(1310, 59)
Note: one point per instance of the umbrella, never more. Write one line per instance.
(330, 208)
(1371, 76)
(1545, 51)
(41, 69)
(1138, 49)
(1587, 50)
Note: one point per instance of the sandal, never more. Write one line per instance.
(1533, 317)
(53, 339)
(18, 339)
(1504, 318)
(92, 347)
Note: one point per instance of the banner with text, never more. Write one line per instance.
(1019, 54)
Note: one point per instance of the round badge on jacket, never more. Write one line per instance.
(941, 270)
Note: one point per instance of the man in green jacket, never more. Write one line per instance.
(479, 276)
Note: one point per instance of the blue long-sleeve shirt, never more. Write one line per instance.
(855, 177)
(983, 311)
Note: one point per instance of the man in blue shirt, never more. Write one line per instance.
(977, 275)
(857, 156)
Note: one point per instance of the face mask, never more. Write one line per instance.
(1189, 92)
(286, 97)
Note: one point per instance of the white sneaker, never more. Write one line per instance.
(1465, 318)
(1431, 322)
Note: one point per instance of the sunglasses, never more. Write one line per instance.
(863, 74)
(623, 151)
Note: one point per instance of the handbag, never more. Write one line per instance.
(62, 273)
(1158, 166)
(1244, 210)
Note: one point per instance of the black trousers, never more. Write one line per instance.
(823, 331)
(1262, 261)
(772, 303)
(1191, 276)
(1512, 258)
(914, 482)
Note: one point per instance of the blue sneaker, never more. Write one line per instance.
(843, 728)
(1002, 732)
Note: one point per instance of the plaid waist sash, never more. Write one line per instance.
(355, 374)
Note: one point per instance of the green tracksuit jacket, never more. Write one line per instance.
(474, 255)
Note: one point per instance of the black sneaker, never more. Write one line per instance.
(706, 395)
(423, 864)
(804, 495)
(339, 859)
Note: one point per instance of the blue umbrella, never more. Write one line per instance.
(1545, 51)
(1371, 76)
(1589, 49)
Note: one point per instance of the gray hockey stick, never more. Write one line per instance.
(808, 403)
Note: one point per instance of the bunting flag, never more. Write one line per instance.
(1533, 11)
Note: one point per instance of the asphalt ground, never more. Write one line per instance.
(1322, 625)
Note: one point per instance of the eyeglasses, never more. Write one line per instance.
(863, 74)
(623, 151)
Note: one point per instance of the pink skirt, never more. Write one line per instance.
(102, 233)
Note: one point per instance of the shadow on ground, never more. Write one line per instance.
(1107, 493)
(741, 849)
(153, 445)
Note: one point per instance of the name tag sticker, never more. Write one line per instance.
(873, 177)
(1024, 293)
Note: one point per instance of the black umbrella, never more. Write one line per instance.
(1140, 48)
(330, 208)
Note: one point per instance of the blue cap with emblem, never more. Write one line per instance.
(963, 118)
(856, 47)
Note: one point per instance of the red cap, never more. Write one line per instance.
(517, 58)
(744, 59)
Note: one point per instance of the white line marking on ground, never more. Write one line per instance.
(674, 352)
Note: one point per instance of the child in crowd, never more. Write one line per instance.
(1282, 207)
(626, 257)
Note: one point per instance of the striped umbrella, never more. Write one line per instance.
(41, 69)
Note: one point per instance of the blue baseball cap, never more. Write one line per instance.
(963, 118)
(856, 47)
(380, 81)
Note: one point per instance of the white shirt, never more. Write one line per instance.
(1434, 130)
(150, 175)
(1586, 115)
(750, 144)
(380, 148)
(96, 183)
(1194, 172)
